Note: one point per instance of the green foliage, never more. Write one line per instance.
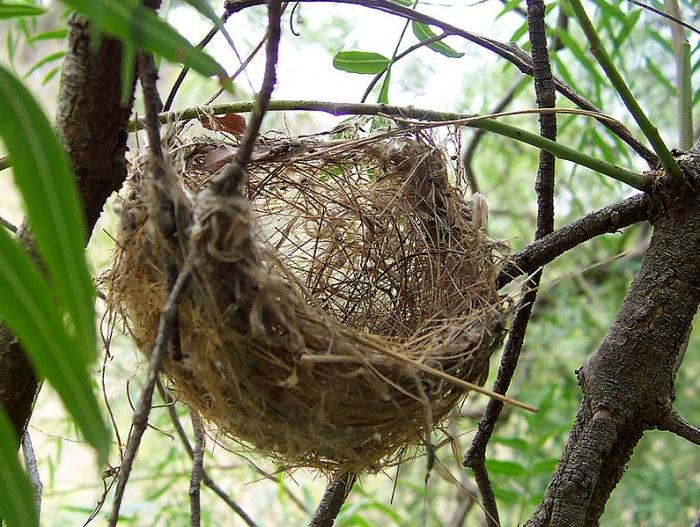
(31, 307)
(365, 62)
(423, 33)
(15, 10)
(143, 28)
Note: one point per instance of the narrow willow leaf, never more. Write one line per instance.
(423, 33)
(28, 308)
(143, 28)
(203, 7)
(48, 58)
(384, 92)
(406, 3)
(507, 468)
(16, 10)
(54, 34)
(44, 178)
(365, 62)
(16, 499)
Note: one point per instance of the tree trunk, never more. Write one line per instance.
(628, 384)
(92, 123)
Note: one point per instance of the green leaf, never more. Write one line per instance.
(406, 3)
(54, 34)
(544, 467)
(203, 7)
(28, 308)
(384, 92)
(16, 499)
(423, 33)
(44, 178)
(512, 442)
(660, 77)
(365, 62)
(17, 10)
(143, 28)
(506, 495)
(48, 58)
(507, 468)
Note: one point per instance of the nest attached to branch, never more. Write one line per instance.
(331, 309)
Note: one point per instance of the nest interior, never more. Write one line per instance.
(322, 303)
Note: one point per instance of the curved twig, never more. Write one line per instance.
(511, 52)
(333, 499)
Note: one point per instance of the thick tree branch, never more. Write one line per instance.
(628, 383)
(511, 52)
(607, 220)
(92, 123)
(333, 500)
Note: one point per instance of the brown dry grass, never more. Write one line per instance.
(321, 302)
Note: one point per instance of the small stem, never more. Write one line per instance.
(32, 468)
(601, 55)
(684, 88)
(629, 177)
(197, 472)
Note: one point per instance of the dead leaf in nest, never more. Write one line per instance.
(217, 158)
(231, 123)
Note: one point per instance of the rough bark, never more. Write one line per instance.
(92, 122)
(628, 384)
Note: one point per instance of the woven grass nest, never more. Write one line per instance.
(331, 308)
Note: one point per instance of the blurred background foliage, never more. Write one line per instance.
(580, 292)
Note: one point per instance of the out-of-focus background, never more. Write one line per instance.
(579, 297)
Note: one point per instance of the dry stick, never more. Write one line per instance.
(397, 58)
(183, 73)
(606, 220)
(167, 324)
(9, 225)
(231, 179)
(155, 364)
(33, 472)
(332, 500)
(510, 52)
(197, 471)
(470, 150)
(545, 92)
(206, 479)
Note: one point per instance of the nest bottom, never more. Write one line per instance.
(266, 357)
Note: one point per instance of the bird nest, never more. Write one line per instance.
(334, 312)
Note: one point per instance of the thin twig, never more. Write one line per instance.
(665, 15)
(208, 482)
(601, 55)
(609, 219)
(8, 225)
(232, 177)
(544, 187)
(675, 424)
(183, 73)
(5, 163)
(401, 113)
(32, 468)
(197, 472)
(333, 499)
(398, 57)
(470, 150)
(509, 51)
(140, 421)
